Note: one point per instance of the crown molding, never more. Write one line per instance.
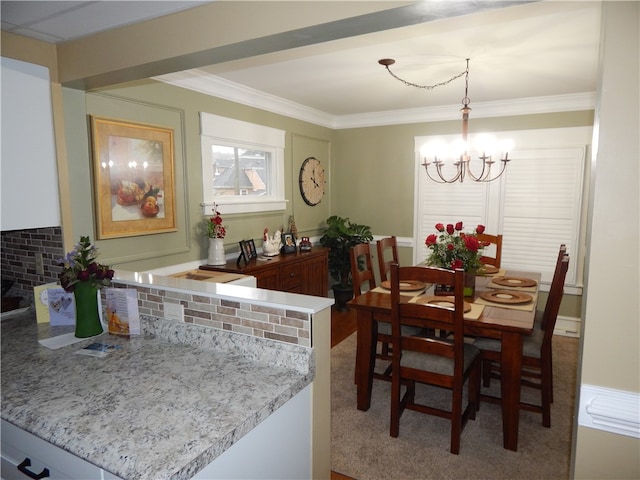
(202, 82)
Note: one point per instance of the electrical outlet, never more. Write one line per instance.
(39, 264)
(173, 311)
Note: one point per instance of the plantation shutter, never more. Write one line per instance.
(536, 204)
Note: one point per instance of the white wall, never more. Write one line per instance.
(611, 342)
(28, 170)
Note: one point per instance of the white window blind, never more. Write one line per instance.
(536, 205)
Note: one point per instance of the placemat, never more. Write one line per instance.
(406, 294)
(406, 286)
(439, 299)
(527, 307)
(473, 314)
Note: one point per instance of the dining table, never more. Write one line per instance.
(506, 322)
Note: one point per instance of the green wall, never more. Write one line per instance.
(370, 171)
(156, 103)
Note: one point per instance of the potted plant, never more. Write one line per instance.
(341, 234)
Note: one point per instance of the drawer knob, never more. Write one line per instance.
(36, 476)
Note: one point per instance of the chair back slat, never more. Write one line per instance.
(554, 299)
(490, 239)
(385, 246)
(561, 253)
(361, 269)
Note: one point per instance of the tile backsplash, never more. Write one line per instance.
(18, 252)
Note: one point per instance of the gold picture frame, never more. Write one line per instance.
(133, 170)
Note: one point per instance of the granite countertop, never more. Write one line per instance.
(164, 405)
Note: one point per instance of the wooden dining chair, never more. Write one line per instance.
(446, 363)
(489, 240)
(537, 358)
(361, 268)
(364, 280)
(386, 246)
(492, 370)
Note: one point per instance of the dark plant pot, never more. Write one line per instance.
(342, 295)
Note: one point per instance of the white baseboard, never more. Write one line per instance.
(568, 327)
(614, 411)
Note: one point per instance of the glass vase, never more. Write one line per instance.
(216, 252)
(469, 284)
(87, 315)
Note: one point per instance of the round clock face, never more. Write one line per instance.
(312, 181)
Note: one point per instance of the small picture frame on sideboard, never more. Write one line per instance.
(247, 251)
(288, 243)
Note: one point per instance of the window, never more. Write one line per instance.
(536, 205)
(242, 165)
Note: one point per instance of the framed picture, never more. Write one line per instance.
(289, 243)
(247, 250)
(133, 170)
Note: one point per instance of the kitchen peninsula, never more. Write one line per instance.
(182, 398)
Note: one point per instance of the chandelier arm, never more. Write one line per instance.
(486, 179)
(458, 176)
(426, 167)
(483, 175)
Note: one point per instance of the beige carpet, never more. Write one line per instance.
(362, 448)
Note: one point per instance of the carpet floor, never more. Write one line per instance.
(362, 448)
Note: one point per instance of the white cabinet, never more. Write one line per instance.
(19, 445)
(28, 148)
(279, 447)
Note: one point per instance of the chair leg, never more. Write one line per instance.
(394, 426)
(474, 392)
(546, 394)
(456, 420)
(486, 372)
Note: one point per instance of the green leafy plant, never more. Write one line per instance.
(341, 234)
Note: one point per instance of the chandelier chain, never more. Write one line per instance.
(429, 87)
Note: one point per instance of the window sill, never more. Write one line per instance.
(231, 208)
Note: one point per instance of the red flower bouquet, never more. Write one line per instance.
(452, 248)
(213, 225)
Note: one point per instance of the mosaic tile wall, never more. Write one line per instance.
(18, 252)
(271, 323)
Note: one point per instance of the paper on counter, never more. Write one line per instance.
(60, 341)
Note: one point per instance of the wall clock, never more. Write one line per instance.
(312, 181)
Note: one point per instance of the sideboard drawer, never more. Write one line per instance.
(291, 276)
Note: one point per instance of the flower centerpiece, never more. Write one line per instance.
(83, 275)
(452, 248)
(213, 226)
(216, 232)
(80, 265)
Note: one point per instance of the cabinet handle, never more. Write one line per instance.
(36, 476)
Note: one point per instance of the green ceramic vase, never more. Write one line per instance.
(87, 316)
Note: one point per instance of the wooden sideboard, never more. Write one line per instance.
(300, 272)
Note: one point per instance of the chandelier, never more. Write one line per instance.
(434, 154)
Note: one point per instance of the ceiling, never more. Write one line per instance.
(529, 56)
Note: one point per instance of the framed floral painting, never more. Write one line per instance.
(133, 169)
